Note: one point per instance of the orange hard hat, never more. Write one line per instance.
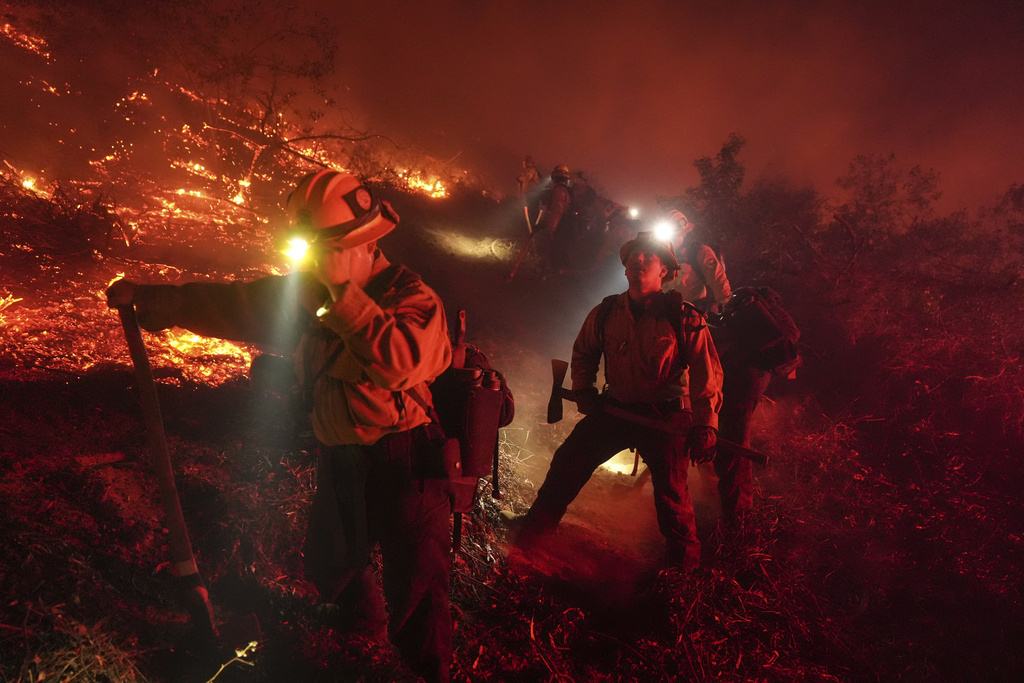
(332, 204)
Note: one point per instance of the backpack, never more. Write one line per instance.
(762, 329)
(473, 402)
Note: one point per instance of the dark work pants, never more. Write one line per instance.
(594, 440)
(366, 495)
(742, 390)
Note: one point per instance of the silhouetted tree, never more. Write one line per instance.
(883, 200)
(717, 196)
(778, 227)
(714, 203)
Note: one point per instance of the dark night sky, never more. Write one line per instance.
(634, 92)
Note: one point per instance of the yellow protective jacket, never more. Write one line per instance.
(644, 360)
(376, 352)
(379, 351)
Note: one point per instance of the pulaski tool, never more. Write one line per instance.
(197, 598)
(558, 392)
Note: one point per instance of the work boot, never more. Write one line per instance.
(513, 521)
(685, 560)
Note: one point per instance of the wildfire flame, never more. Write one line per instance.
(205, 360)
(218, 182)
(432, 187)
(28, 42)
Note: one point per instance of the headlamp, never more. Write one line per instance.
(299, 242)
(664, 231)
(297, 248)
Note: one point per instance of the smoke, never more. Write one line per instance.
(634, 92)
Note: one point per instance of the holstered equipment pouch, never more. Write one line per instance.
(469, 402)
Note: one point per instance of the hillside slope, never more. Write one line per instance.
(851, 574)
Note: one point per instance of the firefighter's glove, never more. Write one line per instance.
(121, 294)
(588, 401)
(700, 444)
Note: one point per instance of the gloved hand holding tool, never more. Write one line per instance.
(120, 295)
(701, 444)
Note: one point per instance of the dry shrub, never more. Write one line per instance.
(73, 651)
(59, 221)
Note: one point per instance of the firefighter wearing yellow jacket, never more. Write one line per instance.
(661, 363)
(366, 335)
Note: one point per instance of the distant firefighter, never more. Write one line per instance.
(529, 188)
(529, 178)
(554, 243)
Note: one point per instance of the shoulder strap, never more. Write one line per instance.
(429, 409)
(603, 311)
(675, 307)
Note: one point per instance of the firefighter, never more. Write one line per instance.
(752, 316)
(743, 387)
(552, 224)
(702, 280)
(528, 184)
(660, 363)
(371, 335)
(529, 178)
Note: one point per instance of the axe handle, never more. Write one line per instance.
(522, 255)
(182, 558)
(623, 414)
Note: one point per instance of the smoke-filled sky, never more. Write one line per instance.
(633, 92)
(629, 92)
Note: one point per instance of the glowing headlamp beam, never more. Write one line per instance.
(297, 249)
(664, 231)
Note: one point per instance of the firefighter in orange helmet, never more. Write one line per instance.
(366, 335)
